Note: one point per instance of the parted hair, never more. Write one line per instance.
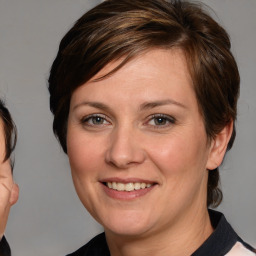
(10, 131)
(124, 29)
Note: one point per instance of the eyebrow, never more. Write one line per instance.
(93, 104)
(154, 104)
(144, 106)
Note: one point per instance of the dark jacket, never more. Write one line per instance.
(222, 241)
(4, 248)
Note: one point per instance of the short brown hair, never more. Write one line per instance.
(10, 131)
(124, 29)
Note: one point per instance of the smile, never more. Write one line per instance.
(127, 186)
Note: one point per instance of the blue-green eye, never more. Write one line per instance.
(94, 120)
(97, 120)
(161, 120)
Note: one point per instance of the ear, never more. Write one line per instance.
(14, 194)
(219, 146)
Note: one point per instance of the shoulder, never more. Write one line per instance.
(95, 247)
(4, 248)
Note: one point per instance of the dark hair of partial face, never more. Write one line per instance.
(124, 29)
(10, 131)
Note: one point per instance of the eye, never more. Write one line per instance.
(95, 120)
(160, 120)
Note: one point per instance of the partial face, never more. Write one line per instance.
(137, 145)
(9, 192)
(2, 140)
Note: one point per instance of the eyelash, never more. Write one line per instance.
(85, 120)
(166, 119)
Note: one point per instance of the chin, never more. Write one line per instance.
(127, 225)
(127, 230)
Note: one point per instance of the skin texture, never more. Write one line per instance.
(146, 126)
(9, 191)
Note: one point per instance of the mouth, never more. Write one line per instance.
(127, 187)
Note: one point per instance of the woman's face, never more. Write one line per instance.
(137, 145)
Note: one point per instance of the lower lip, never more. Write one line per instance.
(126, 195)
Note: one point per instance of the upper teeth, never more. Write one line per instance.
(128, 186)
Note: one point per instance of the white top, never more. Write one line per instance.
(240, 250)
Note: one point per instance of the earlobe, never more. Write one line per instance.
(14, 194)
(219, 146)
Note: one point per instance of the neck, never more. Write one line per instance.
(181, 239)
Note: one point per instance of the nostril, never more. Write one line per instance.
(124, 150)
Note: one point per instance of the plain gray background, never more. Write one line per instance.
(49, 219)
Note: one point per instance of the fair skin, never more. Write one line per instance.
(9, 191)
(139, 156)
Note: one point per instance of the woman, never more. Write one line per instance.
(9, 191)
(144, 97)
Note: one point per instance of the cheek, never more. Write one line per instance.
(168, 153)
(180, 154)
(85, 159)
(84, 154)
(182, 164)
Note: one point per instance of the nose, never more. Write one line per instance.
(124, 149)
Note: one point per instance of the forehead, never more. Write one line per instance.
(154, 75)
(152, 56)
